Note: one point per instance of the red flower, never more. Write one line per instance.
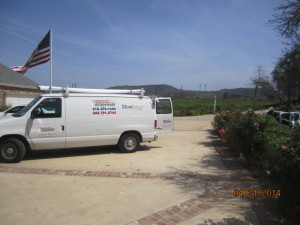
(221, 132)
(283, 148)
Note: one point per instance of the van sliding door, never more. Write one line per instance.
(164, 112)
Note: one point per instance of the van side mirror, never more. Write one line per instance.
(33, 114)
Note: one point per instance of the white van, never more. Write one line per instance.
(85, 117)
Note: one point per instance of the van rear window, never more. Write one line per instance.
(163, 106)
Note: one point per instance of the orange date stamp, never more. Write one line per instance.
(252, 193)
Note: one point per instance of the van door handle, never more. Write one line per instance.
(62, 128)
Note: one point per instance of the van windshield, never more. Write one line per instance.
(26, 108)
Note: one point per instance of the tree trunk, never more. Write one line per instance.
(254, 100)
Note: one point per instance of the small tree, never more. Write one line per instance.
(260, 73)
(263, 82)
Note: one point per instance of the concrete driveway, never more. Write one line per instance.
(180, 179)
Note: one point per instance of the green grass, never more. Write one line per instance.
(202, 106)
(277, 134)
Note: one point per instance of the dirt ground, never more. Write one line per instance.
(179, 179)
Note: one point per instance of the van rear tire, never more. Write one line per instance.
(129, 143)
(12, 150)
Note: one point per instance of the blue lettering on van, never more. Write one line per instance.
(132, 107)
(127, 106)
(103, 108)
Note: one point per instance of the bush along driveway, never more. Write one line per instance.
(270, 151)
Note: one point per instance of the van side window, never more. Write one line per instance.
(163, 106)
(49, 108)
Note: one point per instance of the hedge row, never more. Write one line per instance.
(272, 154)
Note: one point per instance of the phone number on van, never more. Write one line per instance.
(104, 112)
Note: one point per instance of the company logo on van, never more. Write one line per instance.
(104, 107)
(47, 129)
(47, 132)
(103, 103)
(167, 121)
(132, 107)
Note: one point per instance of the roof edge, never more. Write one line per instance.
(19, 86)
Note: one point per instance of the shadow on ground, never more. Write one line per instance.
(75, 152)
(225, 221)
(265, 209)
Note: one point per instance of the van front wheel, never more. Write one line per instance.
(129, 143)
(12, 150)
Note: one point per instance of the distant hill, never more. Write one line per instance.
(170, 91)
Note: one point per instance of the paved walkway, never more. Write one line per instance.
(181, 180)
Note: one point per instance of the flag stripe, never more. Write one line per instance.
(41, 57)
(38, 63)
(19, 69)
(38, 55)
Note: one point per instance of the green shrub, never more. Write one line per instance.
(284, 171)
(3, 108)
(243, 133)
(268, 150)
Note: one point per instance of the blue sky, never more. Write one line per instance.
(103, 43)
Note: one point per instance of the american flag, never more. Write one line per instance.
(39, 56)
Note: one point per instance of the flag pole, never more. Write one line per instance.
(51, 49)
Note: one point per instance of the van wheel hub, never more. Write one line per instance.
(9, 151)
(130, 144)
